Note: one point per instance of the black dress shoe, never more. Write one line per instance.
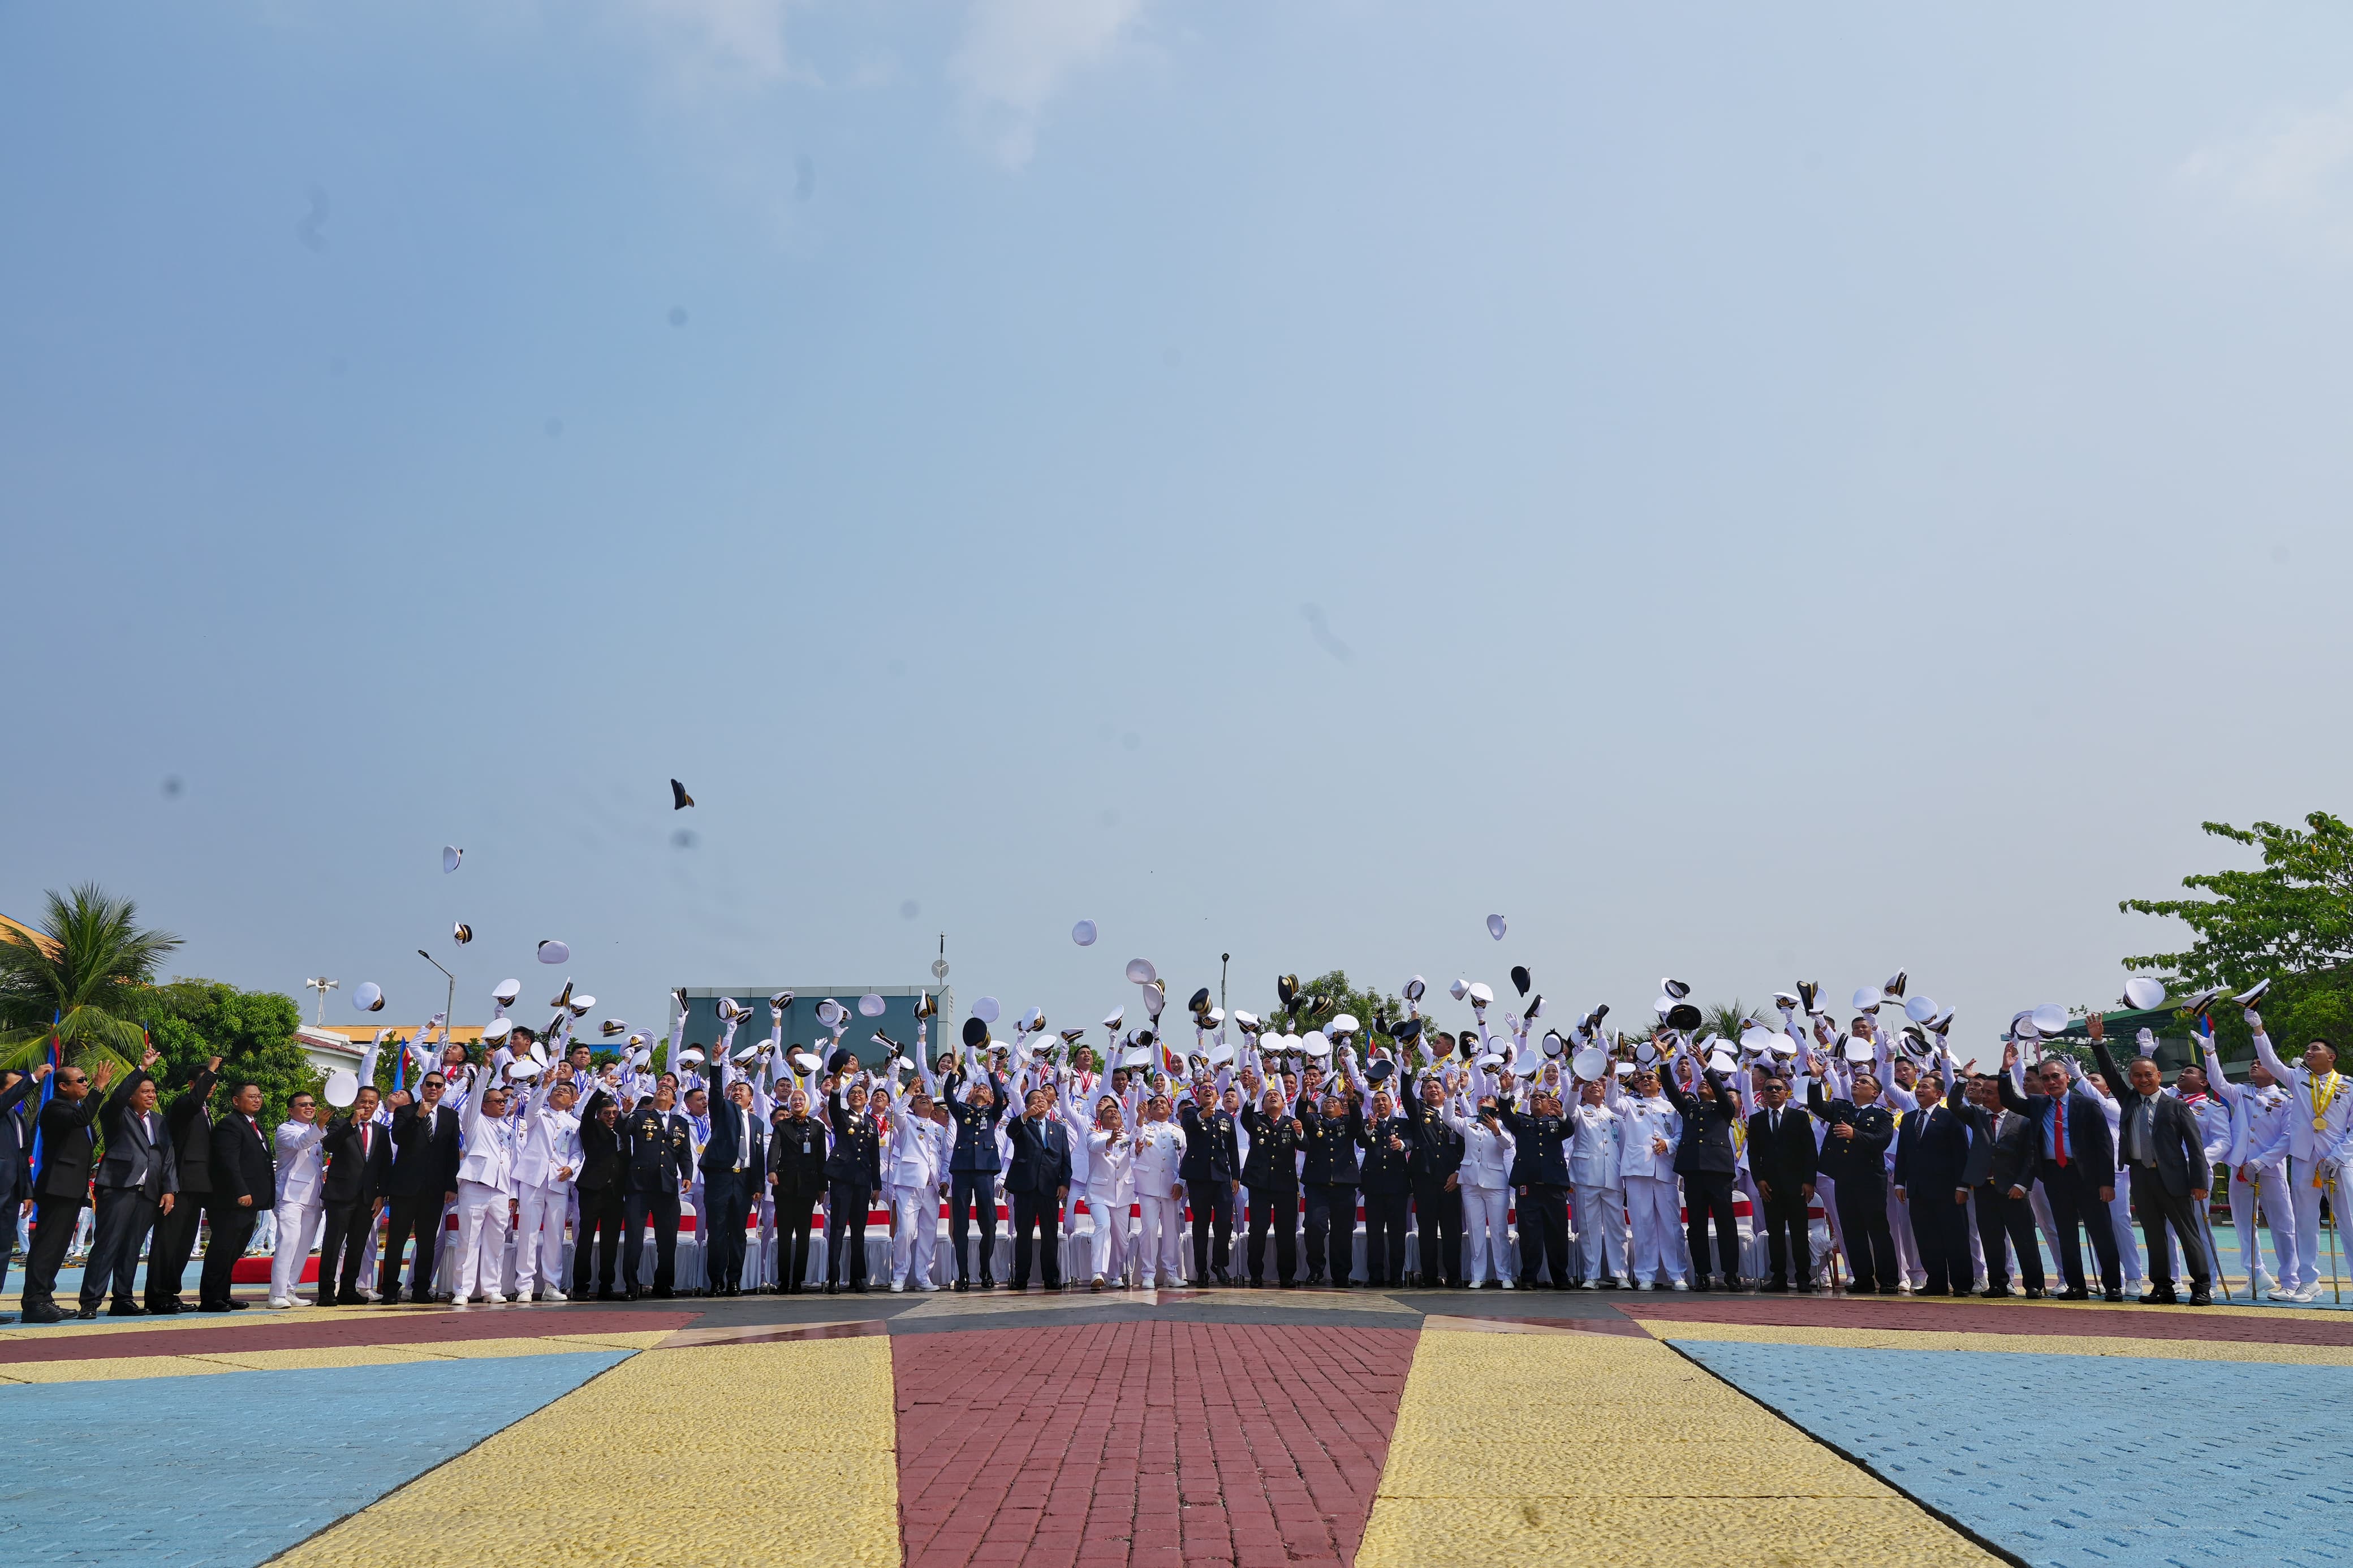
(664, 1293)
(2034, 1292)
(2161, 1299)
(1701, 1287)
(2115, 1295)
(203, 1306)
(989, 1283)
(2071, 1294)
(42, 1314)
(86, 1313)
(631, 1294)
(833, 1288)
(1773, 1288)
(961, 1285)
(168, 1307)
(2201, 1298)
(608, 1296)
(126, 1309)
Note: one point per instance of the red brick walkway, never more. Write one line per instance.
(1106, 1444)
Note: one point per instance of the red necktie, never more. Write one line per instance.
(2059, 1127)
(365, 1146)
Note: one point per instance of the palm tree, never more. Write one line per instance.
(77, 975)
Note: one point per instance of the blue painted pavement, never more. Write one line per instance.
(230, 1469)
(2085, 1461)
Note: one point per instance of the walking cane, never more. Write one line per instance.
(2335, 1291)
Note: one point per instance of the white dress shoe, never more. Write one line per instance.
(553, 1295)
(1682, 1285)
(456, 1301)
(1476, 1283)
(898, 1287)
(1645, 1285)
(1508, 1283)
(2281, 1293)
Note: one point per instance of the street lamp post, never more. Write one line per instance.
(321, 984)
(446, 1022)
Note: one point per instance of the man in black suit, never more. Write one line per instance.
(134, 1185)
(1705, 1160)
(1036, 1183)
(188, 1124)
(2000, 1168)
(1782, 1156)
(245, 1184)
(658, 1160)
(1328, 1180)
(359, 1169)
(1210, 1169)
(972, 1171)
(1271, 1175)
(2160, 1142)
(424, 1182)
(1437, 1167)
(2076, 1163)
(734, 1170)
(66, 1155)
(602, 1186)
(1540, 1177)
(15, 1156)
(1932, 1156)
(1385, 1175)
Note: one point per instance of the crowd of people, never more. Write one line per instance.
(526, 1168)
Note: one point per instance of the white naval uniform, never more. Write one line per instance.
(911, 1185)
(1160, 1150)
(1595, 1174)
(1486, 1184)
(1111, 1193)
(1652, 1204)
(2316, 1155)
(302, 1178)
(548, 1155)
(2259, 1119)
(485, 1185)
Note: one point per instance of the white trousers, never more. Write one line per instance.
(2268, 1192)
(298, 1233)
(1159, 1240)
(1907, 1251)
(1657, 1213)
(914, 1232)
(2041, 1204)
(539, 1237)
(1826, 1194)
(2120, 1221)
(1601, 1232)
(481, 1236)
(2306, 1197)
(1486, 1233)
(1114, 1247)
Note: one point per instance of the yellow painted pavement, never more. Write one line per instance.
(713, 1455)
(2010, 1344)
(107, 1369)
(1551, 1448)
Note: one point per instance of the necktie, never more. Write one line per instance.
(2059, 1127)
(367, 1142)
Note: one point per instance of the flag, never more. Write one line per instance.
(48, 1088)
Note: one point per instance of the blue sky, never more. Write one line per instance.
(1745, 495)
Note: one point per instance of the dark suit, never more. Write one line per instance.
(1932, 1151)
(1540, 1171)
(1271, 1174)
(424, 1174)
(2166, 1159)
(59, 1191)
(1705, 1161)
(359, 1168)
(243, 1168)
(797, 1150)
(1858, 1165)
(603, 1201)
(1035, 1183)
(657, 1163)
(1211, 1166)
(131, 1181)
(2001, 1156)
(728, 1192)
(2073, 1174)
(1435, 1155)
(971, 1177)
(188, 1122)
(1781, 1158)
(853, 1175)
(1385, 1178)
(1329, 1182)
(16, 1162)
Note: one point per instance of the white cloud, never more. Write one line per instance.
(739, 39)
(2298, 171)
(1015, 54)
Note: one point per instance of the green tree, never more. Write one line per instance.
(84, 973)
(2291, 922)
(251, 1031)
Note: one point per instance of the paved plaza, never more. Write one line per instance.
(1257, 1428)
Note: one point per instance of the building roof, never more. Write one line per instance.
(49, 949)
(357, 1036)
